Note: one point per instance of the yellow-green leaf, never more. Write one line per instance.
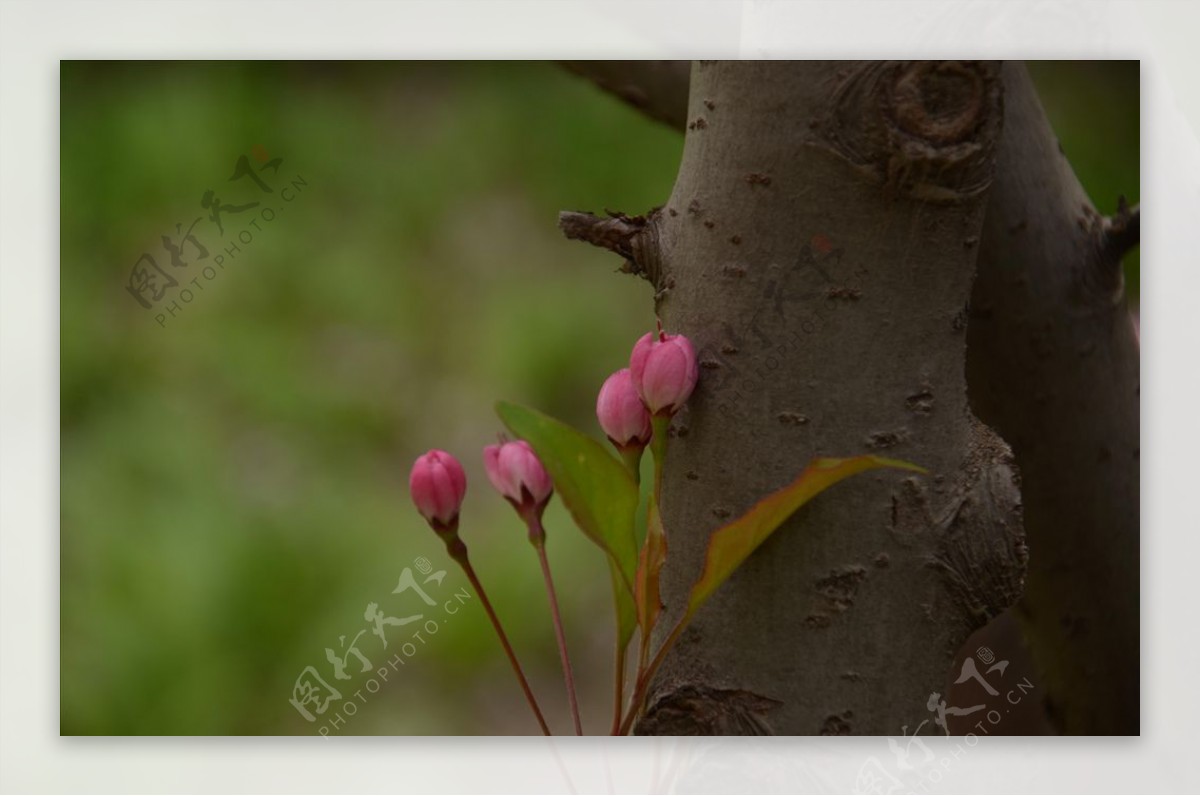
(626, 609)
(732, 543)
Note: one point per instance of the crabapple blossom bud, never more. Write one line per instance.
(621, 412)
(664, 371)
(517, 473)
(437, 484)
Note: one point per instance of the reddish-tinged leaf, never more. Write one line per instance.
(732, 543)
(650, 562)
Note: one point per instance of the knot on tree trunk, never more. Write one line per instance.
(925, 129)
(941, 103)
(982, 554)
(702, 710)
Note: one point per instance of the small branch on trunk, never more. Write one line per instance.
(632, 237)
(659, 89)
(614, 232)
(1122, 231)
(1112, 237)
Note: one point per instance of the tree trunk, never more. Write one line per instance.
(1053, 365)
(819, 248)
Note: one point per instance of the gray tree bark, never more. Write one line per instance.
(1048, 313)
(819, 248)
(1053, 364)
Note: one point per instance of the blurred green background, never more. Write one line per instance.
(234, 481)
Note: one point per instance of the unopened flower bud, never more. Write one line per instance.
(664, 371)
(517, 473)
(438, 484)
(621, 412)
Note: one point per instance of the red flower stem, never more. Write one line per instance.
(461, 557)
(537, 535)
(618, 689)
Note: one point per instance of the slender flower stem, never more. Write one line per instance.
(460, 556)
(658, 448)
(618, 689)
(632, 456)
(537, 535)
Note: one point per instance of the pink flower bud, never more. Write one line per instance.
(621, 412)
(664, 371)
(517, 473)
(437, 484)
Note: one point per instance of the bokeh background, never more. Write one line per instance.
(234, 479)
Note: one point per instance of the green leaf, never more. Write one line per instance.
(627, 620)
(732, 543)
(596, 488)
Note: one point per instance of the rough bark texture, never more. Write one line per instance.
(819, 248)
(1053, 365)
